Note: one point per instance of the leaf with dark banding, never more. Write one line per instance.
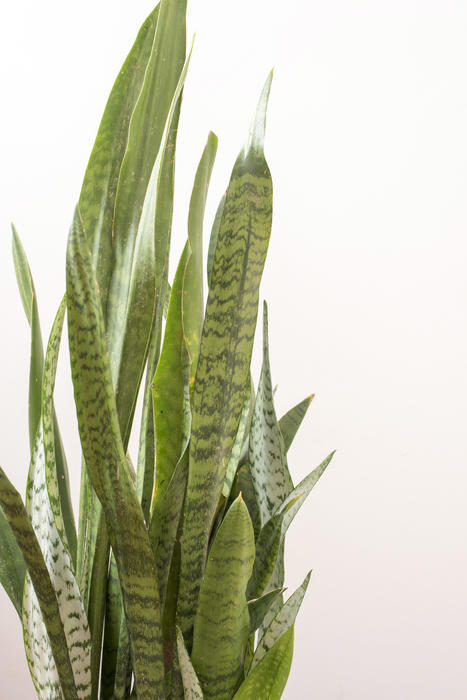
(107, 466)
(213, 238)
(291, 421)
(18, 519)
(73, 617)
(284, 620)
(28, 296)
(258, 607)
(222, 626)
(192, 295)
(268, 679)
(169, 389)
(267, 456)
(225, 353)
(242, 432)
(12, 566)
(191, 686)
(97, 197)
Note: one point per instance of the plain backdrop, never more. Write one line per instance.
(365, 279)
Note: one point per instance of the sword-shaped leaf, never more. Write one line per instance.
(222, 626)
(107, 466)
(29, 299)
(242, 432)
(267, 680)
(191, 686)
(28, 296)
(18, 519)
(283, 621)
(225, 352)
(291, 421)
(12, 566)
(267, 455)
(258, 607)
(192, 296)
(213, 238)
(97, 197)
(57, 559)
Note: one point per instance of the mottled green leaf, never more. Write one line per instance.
(39, 652)
(284, 620)
(225, 352)
(29, 299)
(242, 431)
(268, 549)
(191, 684)
(294, 501)
(97, 197)
(192, 296)
(221, 626)
(28, 296)
(18, 519)
(213, 238)
(291, 421)
(267, 680)
(107, 466)
(12, 566)
(267, 455)
(258, 607)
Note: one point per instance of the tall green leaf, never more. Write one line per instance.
(267, 680)
(107, 466)
(225, 352)
(268, 463)
(213, 238)
(291, 421)
(192, 296)
(18, 519)
(222, 626)
(57, 560)
(12, 565)
(258, 607)
(97, 197)
(28, 296)
(283, 621)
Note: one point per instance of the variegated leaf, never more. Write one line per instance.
(283, 621)
(291, 421)
(72, 613)
(221, 626)
(225, 353)
(268, 679)
(258, 607)
(267, 454)
(191, 686)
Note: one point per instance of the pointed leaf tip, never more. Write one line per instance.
(255, 141)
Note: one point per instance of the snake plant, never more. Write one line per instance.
(171, 586)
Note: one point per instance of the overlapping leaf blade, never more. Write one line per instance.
(12, 565)
(107, 465)
(221, 626)
(18, 519)
(291, 421)
(225, 352)
(267, 680)
(283, 621)
(267, 455)
(191, 686)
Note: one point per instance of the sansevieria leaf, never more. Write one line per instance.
(12, 565)
(71, 609)
(107, 466)
(18, 519)
(291, 421)
(222, 624)
(267, 454)
(191, 686)
(225, 352)
(267, 680)
(283, 620)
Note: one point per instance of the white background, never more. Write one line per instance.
(366, 283)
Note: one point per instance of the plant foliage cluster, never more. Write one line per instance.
(172, 584)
